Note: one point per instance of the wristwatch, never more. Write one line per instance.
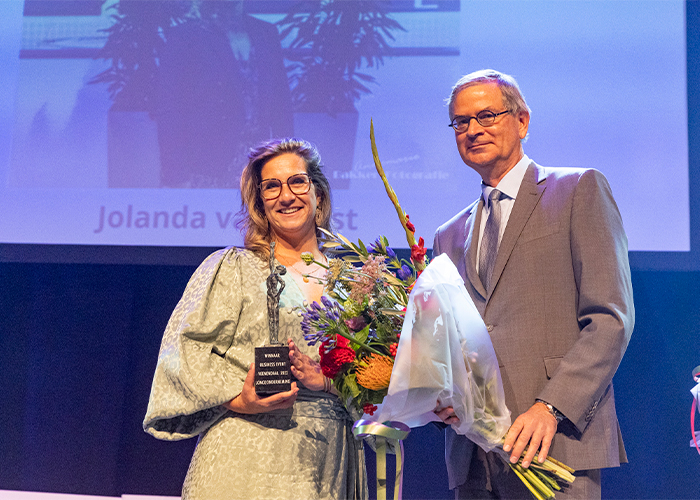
(555, 413)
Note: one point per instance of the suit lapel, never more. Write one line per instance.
(471, 246)
(529, 195)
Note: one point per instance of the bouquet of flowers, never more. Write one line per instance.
(359, 330)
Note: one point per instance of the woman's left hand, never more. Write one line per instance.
(306, 370)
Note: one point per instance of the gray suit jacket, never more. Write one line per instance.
(559, 311)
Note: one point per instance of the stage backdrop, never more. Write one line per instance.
(78, 343)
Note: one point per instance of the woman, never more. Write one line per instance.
(295, 444)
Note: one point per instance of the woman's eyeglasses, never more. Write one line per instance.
(298, 184)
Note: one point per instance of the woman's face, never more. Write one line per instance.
(292, 217)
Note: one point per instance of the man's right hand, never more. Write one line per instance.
(447, 414)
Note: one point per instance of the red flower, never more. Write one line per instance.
(410, 225)
(332, 361)
(418, 251)
(392, 348)
(369, 408)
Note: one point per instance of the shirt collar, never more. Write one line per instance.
(510, 184)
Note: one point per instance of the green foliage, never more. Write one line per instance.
(134, 41)
(331, 42)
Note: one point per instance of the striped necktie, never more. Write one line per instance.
(489, 241)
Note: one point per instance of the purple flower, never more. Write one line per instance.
(404, 273)
(316, 336)
(376, 247)
(318, 319)
(310, 315)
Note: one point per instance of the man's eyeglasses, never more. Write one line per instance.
(298, 184)
(485, 118)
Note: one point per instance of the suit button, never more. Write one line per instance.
(489, 328)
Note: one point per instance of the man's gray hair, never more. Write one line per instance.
(513, 99)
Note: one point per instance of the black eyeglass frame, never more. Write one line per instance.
(302, 174)
(492, 116)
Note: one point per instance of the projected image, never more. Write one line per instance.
(130, 120)
(190, 86)
(210, 77)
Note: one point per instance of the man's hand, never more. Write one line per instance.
(446, 414)
(535, 427)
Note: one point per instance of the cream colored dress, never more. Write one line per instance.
(305, 452)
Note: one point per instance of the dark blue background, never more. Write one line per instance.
(79, 346)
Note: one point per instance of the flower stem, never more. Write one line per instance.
(319, 264)
(362, 345)
(545, 478)
(530, 487)
(536, 482)
(410, 238)
(559, 464)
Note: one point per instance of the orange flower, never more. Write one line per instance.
(374, 372)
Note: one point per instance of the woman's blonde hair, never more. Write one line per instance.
(252, 220)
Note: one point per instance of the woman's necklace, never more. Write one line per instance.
(312, 270)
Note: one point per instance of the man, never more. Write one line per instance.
(544, 259)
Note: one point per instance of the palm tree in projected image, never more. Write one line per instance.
(133, 44)
(194, 85)
(329, 43)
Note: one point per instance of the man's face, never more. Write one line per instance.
(492, 151)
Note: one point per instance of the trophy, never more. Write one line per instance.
(272, 366)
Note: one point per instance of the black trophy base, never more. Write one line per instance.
(272, 370)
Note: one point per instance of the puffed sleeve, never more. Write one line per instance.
(192, 377)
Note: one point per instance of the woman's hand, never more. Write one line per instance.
(306, 370)
(249, 402)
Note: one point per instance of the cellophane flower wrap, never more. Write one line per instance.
(445, 354)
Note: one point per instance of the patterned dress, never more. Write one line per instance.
(305, 452)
